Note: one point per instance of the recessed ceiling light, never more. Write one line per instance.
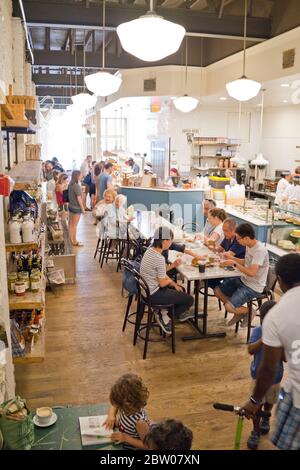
(285, 85)
(285, 101)
(223, 98)
(259, 104)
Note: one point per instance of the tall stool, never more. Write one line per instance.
(145, 301)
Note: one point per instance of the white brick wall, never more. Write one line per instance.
(6, 62)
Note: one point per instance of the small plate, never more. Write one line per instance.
(40, 425)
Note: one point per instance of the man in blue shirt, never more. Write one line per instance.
(229, 246)
(134, 166)
(105, 180)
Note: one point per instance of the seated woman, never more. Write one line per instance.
(215, 236)
(163, 290)
(105, 211)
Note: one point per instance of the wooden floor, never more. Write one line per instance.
(86, 352)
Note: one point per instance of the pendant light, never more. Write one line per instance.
(243, 89)
(103, 83)
(150, 37)
(259, 160)
(84, 100)
(185, 103)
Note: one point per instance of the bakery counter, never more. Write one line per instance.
(172, 203)
(260, 226)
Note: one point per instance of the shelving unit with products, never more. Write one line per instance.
(220, 160)
(26, 273)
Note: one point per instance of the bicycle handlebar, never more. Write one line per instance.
(239, 410)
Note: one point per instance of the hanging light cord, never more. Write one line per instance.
(84, 87)
(186, 62)
(262, 113)
(245, 37)
(103, 38)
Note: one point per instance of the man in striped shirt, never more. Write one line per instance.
(163, 290)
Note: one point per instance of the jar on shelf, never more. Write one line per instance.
(35, 282)
(36, 271)
(15, 230)
(28, 233)
(12, 279)
(20, 288)
(221, 163)
(24, 276)
(226, 163)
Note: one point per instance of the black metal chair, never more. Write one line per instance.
(128, 316)
(145, 302)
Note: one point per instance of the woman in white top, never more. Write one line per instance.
(216, 218)
(283, 184)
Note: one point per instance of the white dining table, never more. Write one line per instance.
(146, 222)
(192, 274)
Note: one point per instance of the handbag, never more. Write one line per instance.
(65, 195)
(129, 282)
(16, 425)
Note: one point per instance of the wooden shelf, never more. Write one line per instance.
(37, 353)
(30, 300)
(27, 175)
(222, 144)
(211, 156)
(10, 247)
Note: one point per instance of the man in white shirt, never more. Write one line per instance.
(292, 192)
(235, 292)
(281, 338)
(283, 184)
(207, 205)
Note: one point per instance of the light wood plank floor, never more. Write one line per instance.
(86, 352)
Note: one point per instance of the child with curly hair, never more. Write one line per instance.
(128, 397)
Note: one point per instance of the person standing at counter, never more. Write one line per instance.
(283, 184)
(134, 166)
(76, 207)
(105, 180)
(235, 292)
(229, 174)
(292, 192)
(163, 290)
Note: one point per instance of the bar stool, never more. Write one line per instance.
(145, 301)
(128, 266)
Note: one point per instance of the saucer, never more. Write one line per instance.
(45, 425)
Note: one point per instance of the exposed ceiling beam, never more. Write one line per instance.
(224, 3)
(67, 59)
(68, 41)
(65, 15)
(48, 39)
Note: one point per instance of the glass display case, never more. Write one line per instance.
(286, 235)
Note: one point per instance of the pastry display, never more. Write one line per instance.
(286, 244)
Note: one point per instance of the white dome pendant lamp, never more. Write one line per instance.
(150, 37)
(103, 83)
(83, 101)
(243, 89)
(185, 103)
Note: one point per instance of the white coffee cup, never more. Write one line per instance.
(44, 414)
